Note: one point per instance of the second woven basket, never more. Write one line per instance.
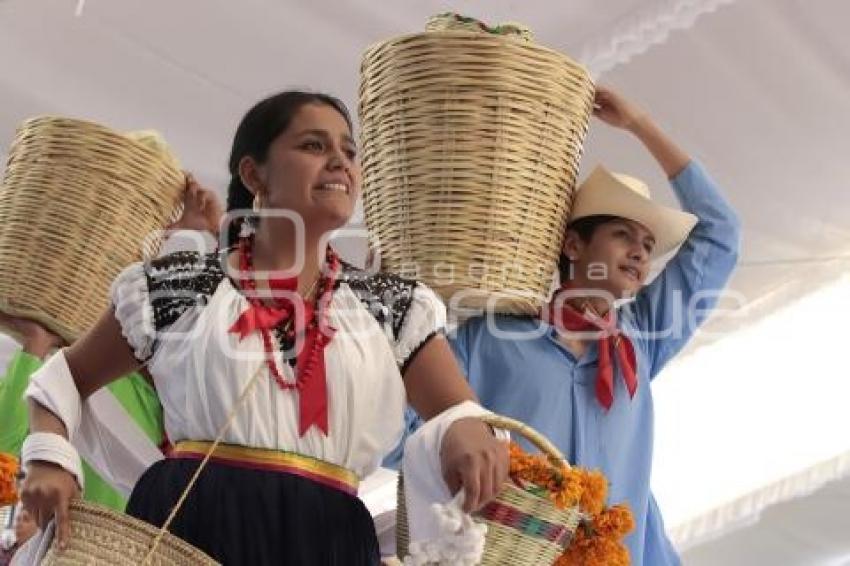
(78, 203)
(523, 528)
(471, 144)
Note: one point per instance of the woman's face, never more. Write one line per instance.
(312, 170)
(615, 260)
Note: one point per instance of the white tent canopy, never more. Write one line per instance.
(755, 89)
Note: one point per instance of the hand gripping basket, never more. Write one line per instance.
(523, 528)
(471, 140)
(77, 203)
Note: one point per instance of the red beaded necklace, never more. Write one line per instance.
(310, 381)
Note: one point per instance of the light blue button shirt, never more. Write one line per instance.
(537, 380)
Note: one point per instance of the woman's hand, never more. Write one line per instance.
(615, 110)
(36, 339)
(47, 491)
(475, 460)
(202, 209)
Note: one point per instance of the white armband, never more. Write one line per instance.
(53, 448)
(53, 387)
(440, 532)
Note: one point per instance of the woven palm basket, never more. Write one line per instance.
(102, 537)
(523, 528)
(471, 140)
(77, 203)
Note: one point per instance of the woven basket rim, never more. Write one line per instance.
(120, 137)
(495, 40)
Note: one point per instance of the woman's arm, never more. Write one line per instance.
(100, 356)
(471, 457)
(97, 358)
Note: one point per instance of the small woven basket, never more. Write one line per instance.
(102, 537)
(471, 140)
(522, 527)
(77, 203)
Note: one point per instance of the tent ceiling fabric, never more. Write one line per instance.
(806, 531)
(756, 89)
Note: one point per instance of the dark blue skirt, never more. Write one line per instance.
(256, 517)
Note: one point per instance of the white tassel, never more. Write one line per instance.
(460, 541)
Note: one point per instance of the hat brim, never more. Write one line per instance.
(669, 227)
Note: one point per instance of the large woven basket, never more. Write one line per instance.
(77, 203)
(471, 146)
(523, 528)
(102, 537)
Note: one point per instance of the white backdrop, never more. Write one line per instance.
(756, 89)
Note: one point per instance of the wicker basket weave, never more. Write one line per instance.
(522, 527)
(471, 147)
(76, 205)
(102, 537)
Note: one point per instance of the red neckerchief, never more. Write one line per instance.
(310, 380)
(567, 318)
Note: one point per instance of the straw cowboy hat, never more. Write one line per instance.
(614, 194)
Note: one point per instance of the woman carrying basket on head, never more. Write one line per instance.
(323, 356)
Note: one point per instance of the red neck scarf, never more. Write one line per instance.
(610, 341)
(310, 382)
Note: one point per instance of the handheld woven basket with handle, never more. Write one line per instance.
(77, 203)
(103, 537)
(471, 140)
(522, 527)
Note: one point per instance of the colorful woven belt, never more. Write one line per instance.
(319, 471)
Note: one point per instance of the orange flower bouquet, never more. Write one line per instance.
(8, 479)
(598, 539)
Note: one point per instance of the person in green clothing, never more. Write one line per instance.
(134, 392)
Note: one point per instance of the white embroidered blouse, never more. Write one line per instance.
(175, 313)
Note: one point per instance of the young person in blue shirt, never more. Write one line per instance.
(586, 389)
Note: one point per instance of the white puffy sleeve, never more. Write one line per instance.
(149, 297)
(409, 312)
(131, 300)
(424, 318)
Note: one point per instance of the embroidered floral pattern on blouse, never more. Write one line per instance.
(183, 280)
(386, 296)
(180, 281)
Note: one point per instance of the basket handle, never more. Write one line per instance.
(541, 442)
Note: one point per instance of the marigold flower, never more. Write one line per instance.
(8, 478)
(598, 539)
